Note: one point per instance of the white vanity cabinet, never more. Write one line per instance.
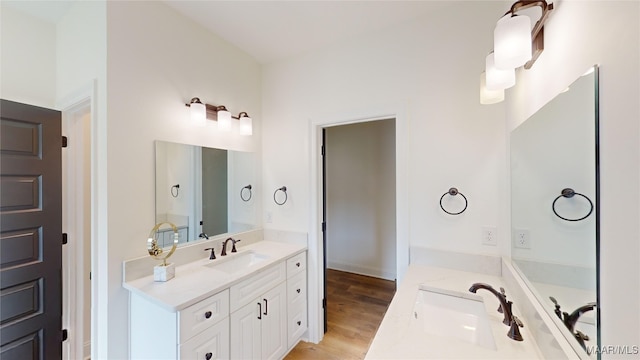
(200, 331)
(258, 315)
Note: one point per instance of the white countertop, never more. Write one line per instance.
(394, 340)
(194, 282)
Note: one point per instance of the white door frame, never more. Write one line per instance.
(82, 101)
(315, 245)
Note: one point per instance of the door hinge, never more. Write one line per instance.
(90, 275)
(65, 142)
(65, 238)
(324, 226)
(324, 303)
(322, 150)
(65, 335)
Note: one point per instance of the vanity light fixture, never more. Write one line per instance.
(515, 44)
(198, 111)
(488, 97)
(219, 114)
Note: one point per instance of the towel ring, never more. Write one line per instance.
(569, 193)
(177, 188)
(248, 187)
(453, 192)
(284, 190)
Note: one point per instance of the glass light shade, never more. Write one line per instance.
(488, 97)
(224, 120)
(246, 125)
(198, 113)
(512, 41)
(498, 79)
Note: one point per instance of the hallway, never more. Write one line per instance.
(356, 306)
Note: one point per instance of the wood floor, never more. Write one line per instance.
(356, 305)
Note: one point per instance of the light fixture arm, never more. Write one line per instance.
(537, 33)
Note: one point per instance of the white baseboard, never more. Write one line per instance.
(362, 270)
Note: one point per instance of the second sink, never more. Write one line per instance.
(448, 313)
(236, 262)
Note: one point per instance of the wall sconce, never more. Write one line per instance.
(515, 44)
(201, 112)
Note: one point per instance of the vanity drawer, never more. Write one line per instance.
(297, 290)
(249, 289)
(296, 264)
(200, 316)
(212, 344)
(297, 323)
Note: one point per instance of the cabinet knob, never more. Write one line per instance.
(298, 291)
(298, 264)
(299, 323)
(208, 314)
(208, 356)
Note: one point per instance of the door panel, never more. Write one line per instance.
(30, 232)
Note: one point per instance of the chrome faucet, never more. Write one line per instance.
(570, 320)
(224, 246)
(509, 318)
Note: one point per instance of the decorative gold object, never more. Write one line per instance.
(164, 271)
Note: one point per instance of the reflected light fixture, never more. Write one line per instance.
(201, 112)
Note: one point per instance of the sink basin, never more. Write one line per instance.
(453, 314)
(236, 262)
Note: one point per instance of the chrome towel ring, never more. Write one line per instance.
(284, 190)
(248, 187)
(569, 193)
(453, 192)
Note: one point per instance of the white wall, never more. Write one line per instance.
(157, 61)
(579, 34)
(434, 80)
(28, 58)
(361, 198)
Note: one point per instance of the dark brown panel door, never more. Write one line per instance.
(30, 232)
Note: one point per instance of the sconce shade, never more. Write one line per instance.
(488, 97)
(198, 112)
(224, 120)
(246, 125)
(497, 79)
(512, 42)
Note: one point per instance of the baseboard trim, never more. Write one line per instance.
(362, 270)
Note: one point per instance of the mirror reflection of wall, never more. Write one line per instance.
(556, 149)
(198, 190)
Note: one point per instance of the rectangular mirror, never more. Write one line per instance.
(554, 214)
(204, 191)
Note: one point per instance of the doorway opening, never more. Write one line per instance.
(76, 222)
(359, 210)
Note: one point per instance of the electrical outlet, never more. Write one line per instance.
(269, 217)
(489, 236)
(522, 240)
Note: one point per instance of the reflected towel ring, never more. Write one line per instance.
(569, 193)
(453, 192)
(284, 190)
(177, 188)
(248, 187)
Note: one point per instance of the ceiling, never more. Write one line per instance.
(271, 30)
(274, 30)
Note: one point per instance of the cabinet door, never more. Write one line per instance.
(274, 322)
(211, 344)
(246, 331)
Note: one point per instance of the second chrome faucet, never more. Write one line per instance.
(233, 248)
(506, 306)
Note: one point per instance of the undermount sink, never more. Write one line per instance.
(454, 314)
(236, 262)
